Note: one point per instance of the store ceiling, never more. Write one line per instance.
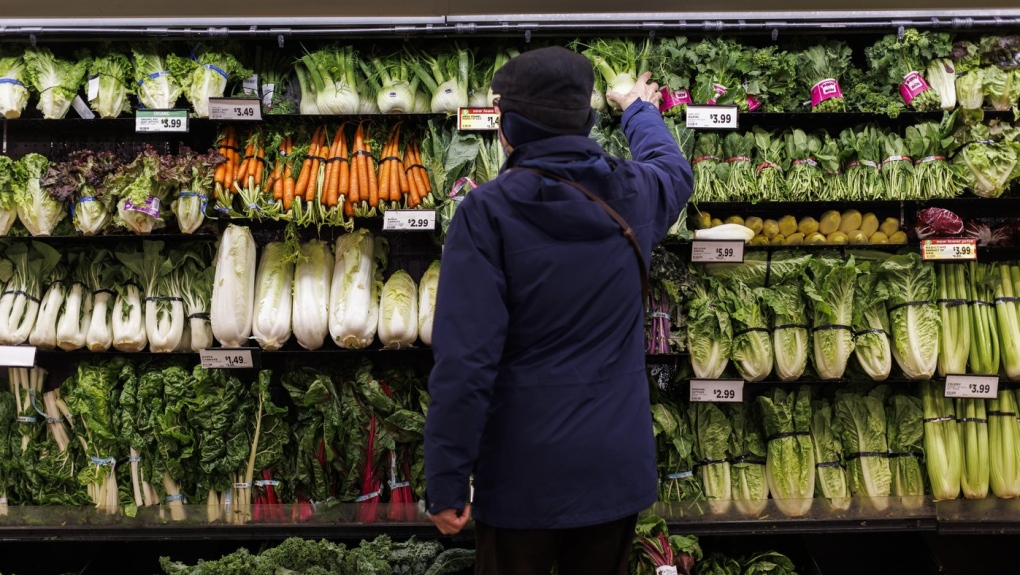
(275, 9)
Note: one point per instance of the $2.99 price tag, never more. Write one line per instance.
(972, 386)
(712, 117)
(235, 109)
(717, 390)
(409, 220)
(707, 251)
(161, 121)
(958, 249)
(228, 358)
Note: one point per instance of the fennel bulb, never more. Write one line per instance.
(273, 297)
(233, 291)
(398, 312)
(313, 277)
(427, 302)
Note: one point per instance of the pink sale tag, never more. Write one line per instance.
(913, 86)
(673, 98)
(825, 90)
(720, 91)
(753, 103)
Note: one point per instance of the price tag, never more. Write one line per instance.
(712, 117)
(666, 570)
(251, 85)
(409, 220)
(951, 249)
(161, 121)
(709, 251)
(17, 355)
(228, 357)
(972, 386)
(235, 109)
(92, 91)
(717, 390)
(82, 108)
(477, 119)
(267, 94)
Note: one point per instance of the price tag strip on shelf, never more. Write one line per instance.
(471, 119)
(161, 121)
(717, 390)
(235, 109)
(715, 251)
(17, 355)
(409, 220)
(229, 357)
(972, 386)
(950, 249)
(712, 117)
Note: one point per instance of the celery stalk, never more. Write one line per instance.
(974, 433)
(1004, 430)
(942, 445)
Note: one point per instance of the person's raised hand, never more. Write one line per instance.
(642, 90)
(451, 521)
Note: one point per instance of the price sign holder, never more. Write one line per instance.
(409, 220)
(246, 109)
(949, 249)
(712, 117)
(161, 121)
(716, 251)
(17, 355)
(230, 357)
(474, 119)
(717, 390)
(972, 386)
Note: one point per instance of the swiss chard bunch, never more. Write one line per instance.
(902, 61)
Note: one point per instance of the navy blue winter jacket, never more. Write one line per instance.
(539, 384)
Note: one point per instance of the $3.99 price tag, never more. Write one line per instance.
(409, 220)
(958, 249)
(228, 357)
(161, 121)
(717, 390)
(972, 386)
(235, 109)
(706, 251)
(712, 117)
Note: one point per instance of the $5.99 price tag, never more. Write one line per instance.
(409, 220)
(958, 249)
(706, 251)
(972, 386)
(161, 121)
(717, 390)
(235, 109)
(712, 117)
(228, 357)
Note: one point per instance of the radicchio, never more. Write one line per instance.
(937, 222)
(979, 231)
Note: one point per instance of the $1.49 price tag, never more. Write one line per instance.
(712, 117)
(958, 249)
(706, 251)
(717, 390)
(409, 220)
(477, 119)
(972, 386)
(161, 121)
(228, 357)
(235, 109)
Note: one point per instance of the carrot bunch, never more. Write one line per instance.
(227, 146)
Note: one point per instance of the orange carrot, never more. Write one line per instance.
(242, 171)
(306, 171)
(288, 187)
(384, 174)
(421, 169)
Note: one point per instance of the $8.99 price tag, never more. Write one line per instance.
(959, 249)
(706, 251)
(235, 109)
(228, 358)
(409, 220)
(972, 386)
(712, 117)
(717, 390)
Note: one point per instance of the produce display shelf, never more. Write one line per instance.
(991, 516)
(964, 206)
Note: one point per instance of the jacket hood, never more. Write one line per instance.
(557, 208)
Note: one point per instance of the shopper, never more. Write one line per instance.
(539, 387)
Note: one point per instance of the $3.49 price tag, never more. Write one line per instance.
(712, 117)
(477, 119)
(235, 109)
(972, 386)
(409, 220)
(958, 249)
(717, 390)
(707, 251)
(228, 357)
(161, 121)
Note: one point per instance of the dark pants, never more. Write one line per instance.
(596, 550)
